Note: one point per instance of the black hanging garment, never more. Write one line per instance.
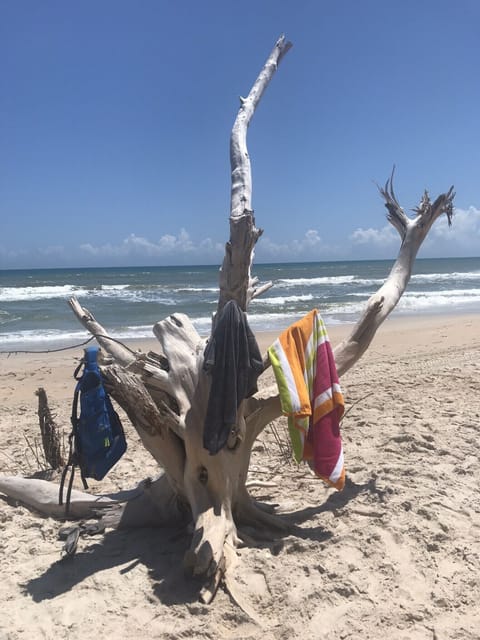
(233, 359)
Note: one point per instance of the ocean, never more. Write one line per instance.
(128, 301)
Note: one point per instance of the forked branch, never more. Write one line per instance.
(412, 232)
(262, 410)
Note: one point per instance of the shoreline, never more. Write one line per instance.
(336, 332)
(416, 334)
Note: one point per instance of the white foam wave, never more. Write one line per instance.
(346, 309)
(25, 294)
(18, 294)
(266, 321)
(308, 282)
(47, 339)
(446, 293)
(168, 302)
(30, 337)
(417, 300)
(196, 290)
(273, 321)
(6, 318)
(279, 300)
(445, 277)
(328, 280)
(119, 292)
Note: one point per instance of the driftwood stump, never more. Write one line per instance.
(51, 440)
(165, 395)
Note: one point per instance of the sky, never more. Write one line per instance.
(115, 119)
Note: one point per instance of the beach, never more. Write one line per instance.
(396, 553)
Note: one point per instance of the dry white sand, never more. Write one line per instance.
(396, 554)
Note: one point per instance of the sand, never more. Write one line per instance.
(396, 554)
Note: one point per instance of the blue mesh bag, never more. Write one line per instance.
(97, 440)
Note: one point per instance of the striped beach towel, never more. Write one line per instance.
(311, 396)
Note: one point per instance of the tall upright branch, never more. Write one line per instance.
(236, 282)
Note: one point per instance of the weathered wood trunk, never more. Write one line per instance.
(51, 441)
(165, 394)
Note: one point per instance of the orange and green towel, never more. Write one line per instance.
(311, 396)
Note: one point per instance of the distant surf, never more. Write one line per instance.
(128, 301)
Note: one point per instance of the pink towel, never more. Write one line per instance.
(311, 396)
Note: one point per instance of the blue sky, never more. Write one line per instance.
(115, 120)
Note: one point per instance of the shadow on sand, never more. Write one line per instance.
(161, 551)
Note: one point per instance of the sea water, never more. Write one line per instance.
(128, 301)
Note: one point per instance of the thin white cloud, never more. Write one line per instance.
(312, 238)
(462, 238)
(309, 247)
(52, 251)
(385, 236)
(179, 248)
(11, 254)
(465, 227)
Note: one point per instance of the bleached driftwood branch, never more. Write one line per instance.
(241, 180)
(263, 409)
(51, 441)
(235, 279)
(412, 233)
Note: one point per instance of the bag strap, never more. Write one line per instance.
(70, 464)
(72, 461)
